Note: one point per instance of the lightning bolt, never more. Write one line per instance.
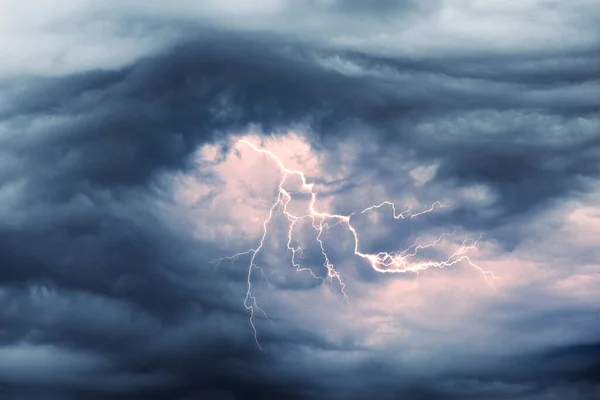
(383, 262)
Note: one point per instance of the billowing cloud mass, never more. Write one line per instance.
(122, 181)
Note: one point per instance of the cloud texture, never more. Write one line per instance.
(121, 182)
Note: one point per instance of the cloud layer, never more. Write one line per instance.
(121, 181)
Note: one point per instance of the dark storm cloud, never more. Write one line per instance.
(127, 306)
(194, 92)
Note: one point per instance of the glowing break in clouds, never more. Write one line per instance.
(401, 261)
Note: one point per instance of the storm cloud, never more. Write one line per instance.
(121, 183)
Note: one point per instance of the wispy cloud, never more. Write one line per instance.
(120, 183)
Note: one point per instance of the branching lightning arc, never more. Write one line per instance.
(383, 262)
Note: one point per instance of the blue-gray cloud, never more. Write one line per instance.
(105, 297)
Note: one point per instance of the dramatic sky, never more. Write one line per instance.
(122, 181)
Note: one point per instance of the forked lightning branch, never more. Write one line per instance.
(399, 261)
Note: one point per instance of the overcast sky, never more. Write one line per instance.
(122, 181)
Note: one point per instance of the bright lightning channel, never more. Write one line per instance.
(383, 262)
